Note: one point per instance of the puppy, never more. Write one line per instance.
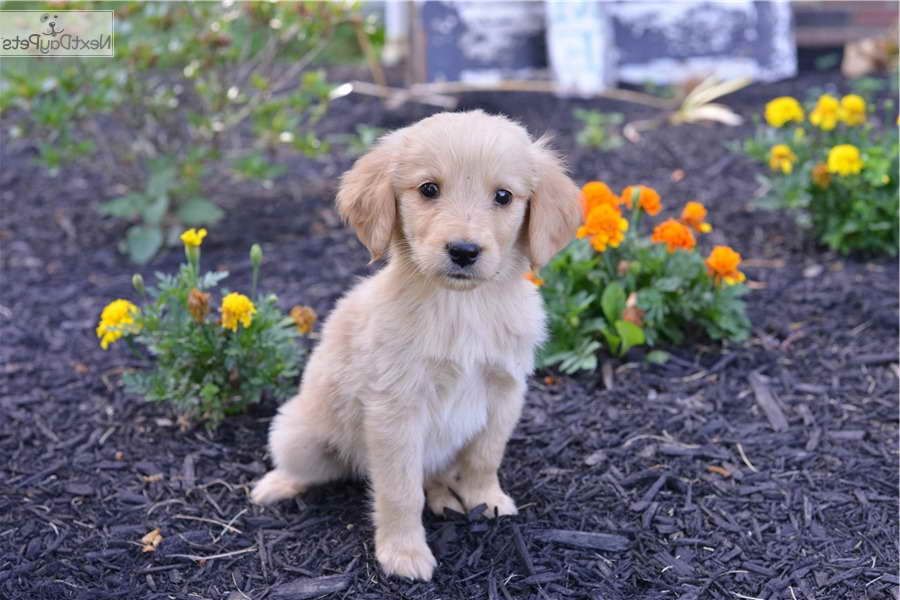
(419, 378)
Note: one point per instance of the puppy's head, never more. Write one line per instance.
(464, 198)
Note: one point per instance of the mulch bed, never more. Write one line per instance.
(763, 470)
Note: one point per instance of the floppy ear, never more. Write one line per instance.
(366, 200)
(554, 212)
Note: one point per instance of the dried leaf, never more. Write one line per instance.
(719, 470)
(150, 542)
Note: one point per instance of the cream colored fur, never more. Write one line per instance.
(420, 378)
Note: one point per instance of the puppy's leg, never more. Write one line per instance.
(300, 454)
(478, 461)
(394, 446)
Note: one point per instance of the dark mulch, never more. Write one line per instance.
(763, 470)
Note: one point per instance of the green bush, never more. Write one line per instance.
(615, 288)
(835, 171)
(198, 95)
(207, 366)
(598, 129)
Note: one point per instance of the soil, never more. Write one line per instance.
(761, 470)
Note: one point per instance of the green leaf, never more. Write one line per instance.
(199, 211)
(155, 211)
(143, 242)
(631, 335)
(613, 301)
(160, 181)
(612, 340)
(668, 284)
(657, 357)
(124, 207)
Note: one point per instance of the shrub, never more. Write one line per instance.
(615, 288)
(207, 367)
(832, 169)
(199, 94)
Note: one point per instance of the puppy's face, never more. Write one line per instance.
(457, 195)
(462, 194)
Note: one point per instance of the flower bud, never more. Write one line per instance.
(138, 282)
(256, 255)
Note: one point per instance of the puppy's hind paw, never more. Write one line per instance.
(498, 503)
(274, 486)
(440, 498)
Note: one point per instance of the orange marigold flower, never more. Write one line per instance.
(606, 227)
(595, 193)
(693, 215)
(534, 278)
(820, 175)
(648, 199)
(674, 235)
(723, 265)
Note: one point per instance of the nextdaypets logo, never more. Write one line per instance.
(62, 33)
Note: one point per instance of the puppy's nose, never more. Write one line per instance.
(463, 253)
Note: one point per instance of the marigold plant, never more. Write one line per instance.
(837, 173)
(207, 363)
(615, 287)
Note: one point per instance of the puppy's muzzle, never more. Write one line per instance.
(463, 253)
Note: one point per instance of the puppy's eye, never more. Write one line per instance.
(503, 197)
(429, 190)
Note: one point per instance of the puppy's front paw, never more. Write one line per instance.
(406, 558)
(440, 497)
(495, 499)
(274, 486)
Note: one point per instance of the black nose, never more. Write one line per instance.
(463, 253)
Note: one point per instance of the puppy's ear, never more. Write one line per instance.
(554, 212)
(366, 200)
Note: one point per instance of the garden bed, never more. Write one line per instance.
(762, 470)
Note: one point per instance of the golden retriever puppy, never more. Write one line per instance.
(419, 378)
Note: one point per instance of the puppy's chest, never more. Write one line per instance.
(457, 411)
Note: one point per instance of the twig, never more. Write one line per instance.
(214, 522)
(214, 556)
(396, 95)
(745, 459)
(458, 87)
(366, 46)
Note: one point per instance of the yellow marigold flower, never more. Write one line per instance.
(606, 226)
(853, 110)
(693, 215)
(783, 110)
(782, 158)
(648, 199)
(820, 175)
(198, 305)
(534, 278)
(192, 238)
(723, 263)
(844, 159)
(674, 235)
(236, 307)
(304, 317)
(116, 320)
(825, 114)
(595, 193)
